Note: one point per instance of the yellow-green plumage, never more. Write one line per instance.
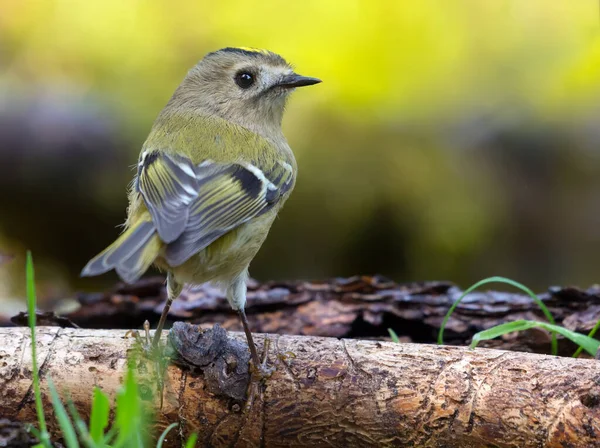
(212, 175)
(231, 253)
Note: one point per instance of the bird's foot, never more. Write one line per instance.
(262, 371)
(258, 374)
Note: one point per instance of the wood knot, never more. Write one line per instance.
(222, 361)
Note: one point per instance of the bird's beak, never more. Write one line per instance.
(294, 80)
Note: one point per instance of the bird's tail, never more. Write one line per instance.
(130, 255)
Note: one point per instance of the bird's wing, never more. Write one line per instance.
(193, 205)
(168, 185)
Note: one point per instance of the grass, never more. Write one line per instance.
(591, 334)
(130, 414)
(393, 335)
(587, 343)
(507, 281)
(42, 433)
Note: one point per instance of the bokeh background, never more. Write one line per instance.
(449, 140)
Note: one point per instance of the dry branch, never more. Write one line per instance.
(330, 392)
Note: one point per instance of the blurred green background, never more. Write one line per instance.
(449, 140)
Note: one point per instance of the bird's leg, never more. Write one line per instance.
(253, 352)
(260, 368)
(151, 347)
(236, 295)
(173, 290)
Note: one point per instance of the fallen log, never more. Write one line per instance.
(330, 392)
(355, 307)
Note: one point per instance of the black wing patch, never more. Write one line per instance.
(191, 206)
(229, 196)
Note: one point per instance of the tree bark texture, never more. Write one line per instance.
(357, 307)
(329, 392)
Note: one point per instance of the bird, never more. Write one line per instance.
(211, 178)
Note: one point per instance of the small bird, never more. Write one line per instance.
(211, 177)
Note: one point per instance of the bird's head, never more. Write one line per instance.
(243, 85)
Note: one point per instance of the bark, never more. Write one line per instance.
(330, 392)
(357, 307)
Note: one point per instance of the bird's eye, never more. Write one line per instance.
(244, 79)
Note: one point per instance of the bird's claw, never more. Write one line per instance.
(262, 371)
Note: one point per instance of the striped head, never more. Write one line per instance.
(243, 85)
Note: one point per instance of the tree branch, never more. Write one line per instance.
(330, 392)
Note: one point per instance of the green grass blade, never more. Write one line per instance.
(109, 436)
(139, 443)
(99, 415)
(191, 442)
(507, 281)
(162, 437)
(63, 419)
(129, 412)
(393, 335)
(34, 431)
(591, 334)
(588, 344)
(80, 426)
(500, 330)
(44, 437)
